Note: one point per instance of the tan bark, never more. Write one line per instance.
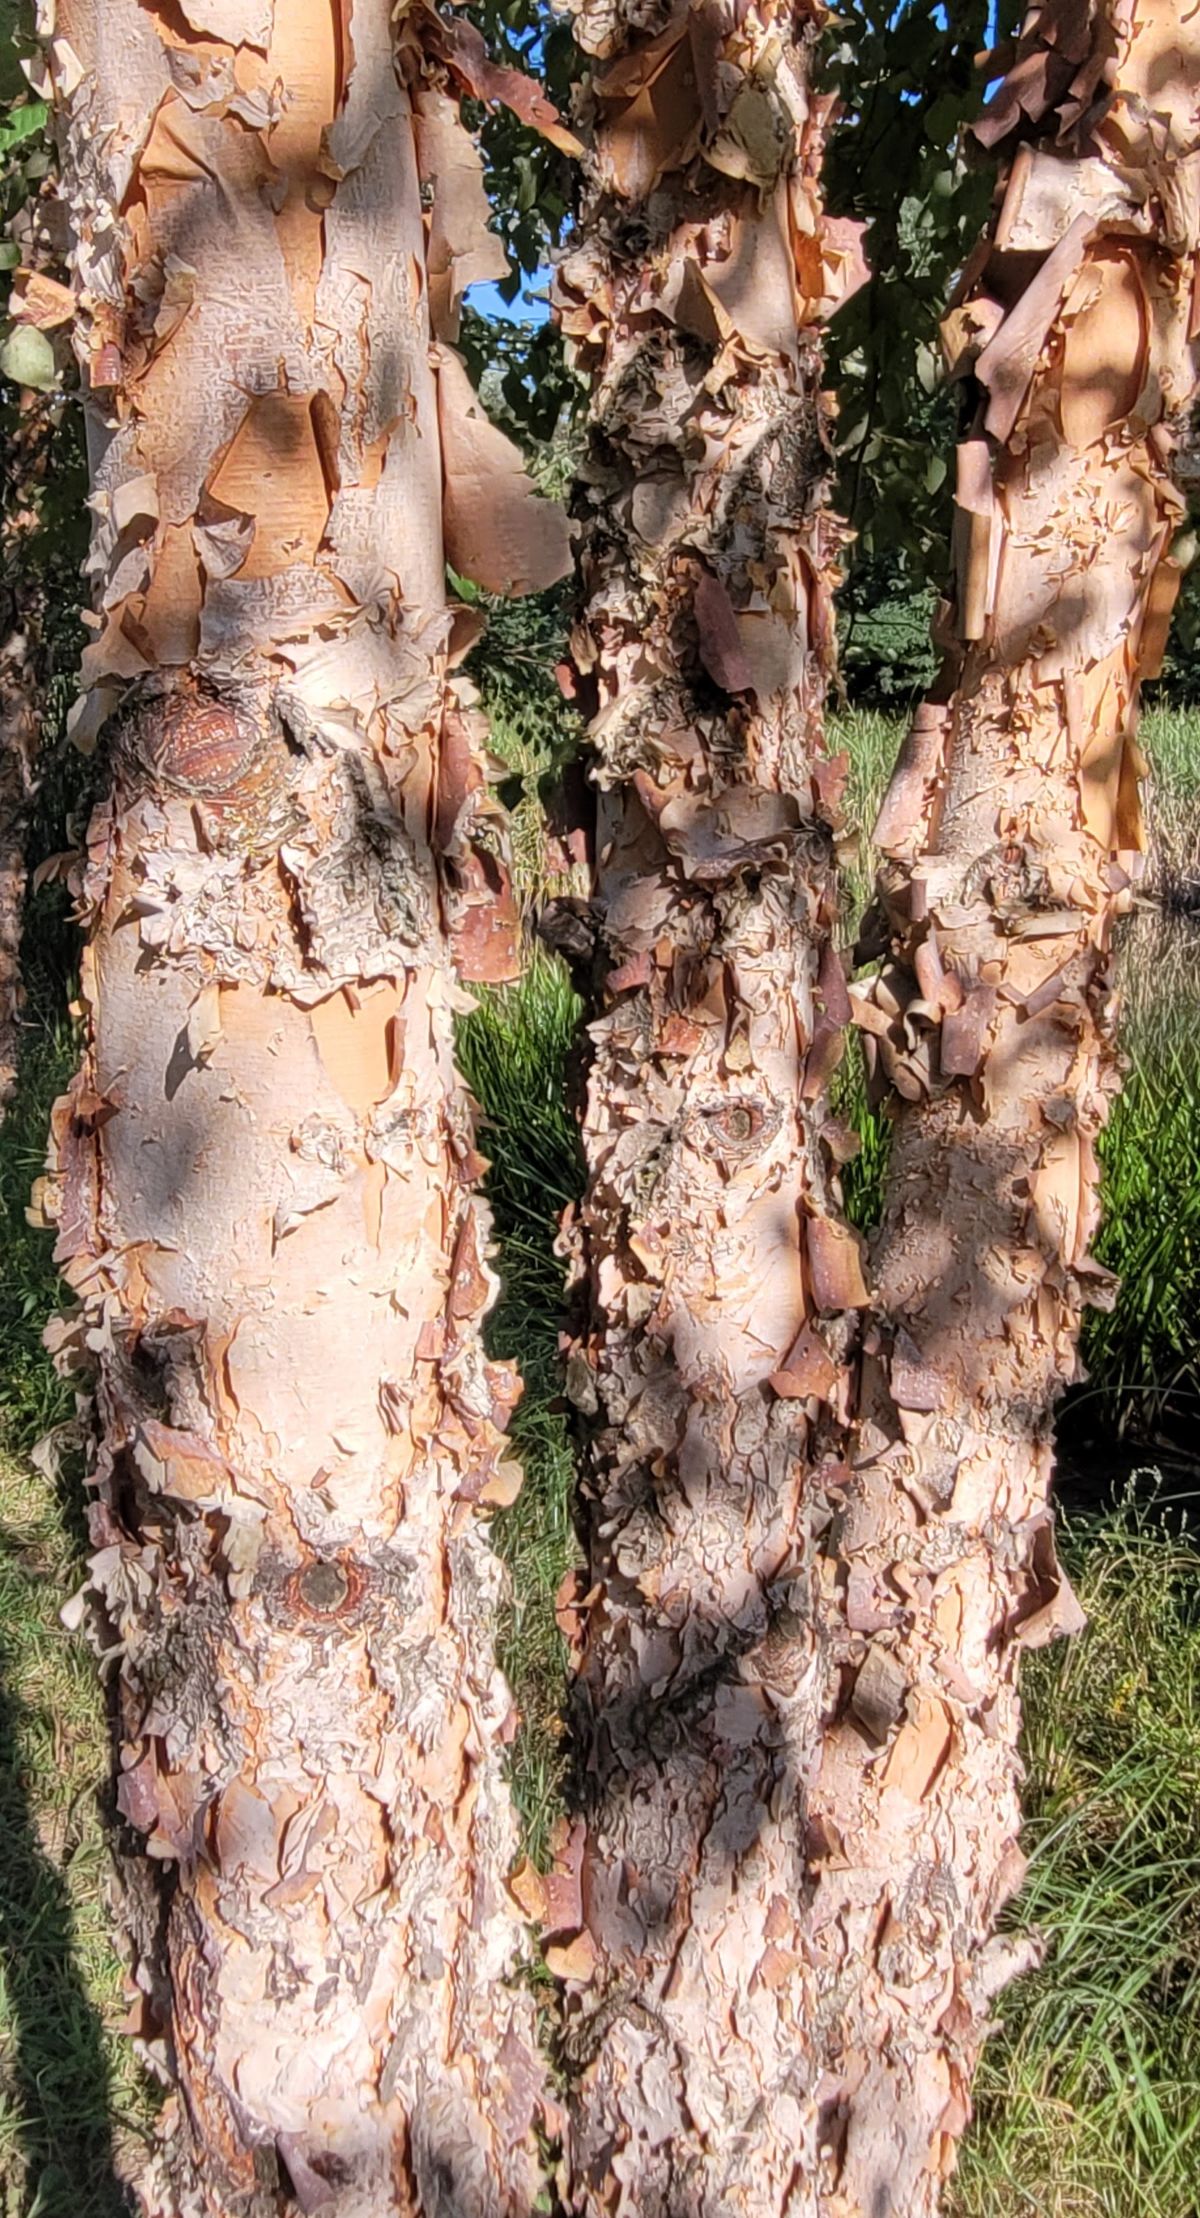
(263, 1172)
(718, 1272)
(1010, 835)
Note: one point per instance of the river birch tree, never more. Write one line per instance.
(720, 1277)
(262, 1176)
(799, 1638)
(1011, 840)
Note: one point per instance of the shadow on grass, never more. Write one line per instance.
(56, 2147)
(58, 2106)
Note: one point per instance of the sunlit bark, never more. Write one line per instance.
(718, 1272)
(1010, 837)
(263, 1172)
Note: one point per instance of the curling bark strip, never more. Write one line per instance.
(719, 1276)
(1011, 835)
(262, 1177)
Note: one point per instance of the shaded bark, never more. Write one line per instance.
(22, 612)
(262, 1176)
(18, 743)
(718, 1274)
(1010, 836)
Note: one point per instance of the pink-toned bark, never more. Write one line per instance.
(798, 1669)
(718, 1272)
(262, 1177)
(1010, 838)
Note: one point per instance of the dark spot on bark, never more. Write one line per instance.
(734, 1130)
(323, 1587)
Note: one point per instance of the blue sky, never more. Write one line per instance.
(487, 300)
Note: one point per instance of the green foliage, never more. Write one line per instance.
(519, 365)
(24, 119)
(529, 182)
(533, 732)
(885, 653)
(32, 1396)
(24, 162)
(521, 374)
(1146, 1353)
(898, 160)
(1180, 680)
(27, 358)
(901, 160)
(514, 1053)
(1087, 2103)
(73, 2103)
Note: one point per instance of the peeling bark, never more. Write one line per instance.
(262, 1176)
(22, 608)
(18, 745)
(719, 1275)
(1011, 836)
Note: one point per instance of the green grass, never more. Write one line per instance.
(72, 2100)
(871, 740)
(1089, 2099)
(73, 2104)
(1144, 1356)
(32, 1397)
(1088, 2102)
(514, 1053)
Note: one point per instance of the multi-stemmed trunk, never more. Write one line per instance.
(797, 1674)
(718, 1273)
(1010, 837)
(263, 1173)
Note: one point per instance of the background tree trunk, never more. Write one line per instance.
(263, 1172)
(1010, 836)
(718, 1272)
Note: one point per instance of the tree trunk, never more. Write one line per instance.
(264, 1169)
(718, 1273)
(22, 609)
(1010, 837)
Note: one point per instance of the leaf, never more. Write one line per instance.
(27, 358)
(22, 123)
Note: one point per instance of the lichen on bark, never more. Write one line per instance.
(262, 1178)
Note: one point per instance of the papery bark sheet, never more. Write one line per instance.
(719, 1274)
(263, 1174)
(1011, 836)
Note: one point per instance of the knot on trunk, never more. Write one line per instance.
(230, 757)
